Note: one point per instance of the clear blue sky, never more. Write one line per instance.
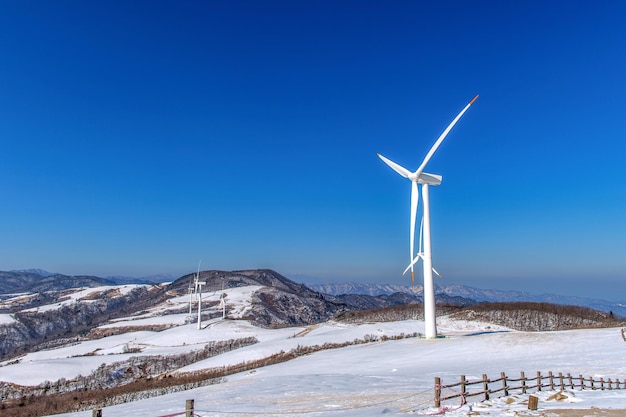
(139, 137)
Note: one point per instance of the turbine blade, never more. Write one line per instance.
(442, 137)
(437, 273)
(197, 277)
(398, 168)
(415, 260)
(421, 234)
(414, 203)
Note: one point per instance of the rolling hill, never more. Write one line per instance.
(256, 359)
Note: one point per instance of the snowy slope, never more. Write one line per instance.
(394, 377)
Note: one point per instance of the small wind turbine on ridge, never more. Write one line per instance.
(198, 291)
(425, 179)
(193, 286)
(223, 305)
(191, 291)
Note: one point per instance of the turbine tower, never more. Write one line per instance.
(199, 285)
(193, 286)
(190, 291)
(198, 291)
(425, 179)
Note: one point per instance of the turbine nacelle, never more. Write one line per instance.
(430, 179)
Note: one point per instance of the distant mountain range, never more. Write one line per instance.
(354, 294)
(470, 293)
(35, 271)
(115, 279)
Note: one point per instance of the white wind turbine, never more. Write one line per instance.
(223, 305)
(193, 286)
(198, 290)
(191, 291)
(199, 286)
(425, 179)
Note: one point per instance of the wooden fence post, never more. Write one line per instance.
(561, 381)
(522, 378)
(539, 381)
(582, 382)
(437, 391)
(96, 412)
(591, 381)
(463, 387)
(486, 386)
(504, 386)
(602, 383)
(189, 408)
(551, 379)
(610, 382)
(532, 402)
(571, 382)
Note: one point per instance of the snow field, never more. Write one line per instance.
(394, 377)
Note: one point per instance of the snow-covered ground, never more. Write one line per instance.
(85, 295)
(6, 319)
(394, 377)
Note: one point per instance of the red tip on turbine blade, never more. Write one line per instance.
(412, 276)
(474, 99)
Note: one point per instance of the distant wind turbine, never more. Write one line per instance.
(425, 179)
(198, 291)
(223, 305)
(193, 286)
(191, 291)
(199, 285)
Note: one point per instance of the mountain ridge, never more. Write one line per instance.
(39, 280)
(467, 292)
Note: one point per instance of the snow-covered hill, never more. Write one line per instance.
(35, 319)
(394, 377)
(382, 368)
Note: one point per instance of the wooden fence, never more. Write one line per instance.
(189, 411)
(505, 385)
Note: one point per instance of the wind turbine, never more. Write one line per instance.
(198, 291)
(199, 285)
(191, 291)
(425, 179)
(223, 306)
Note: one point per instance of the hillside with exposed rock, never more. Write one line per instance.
(37, 319)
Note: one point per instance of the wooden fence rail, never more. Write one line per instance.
(505, 385)
(189, 411)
